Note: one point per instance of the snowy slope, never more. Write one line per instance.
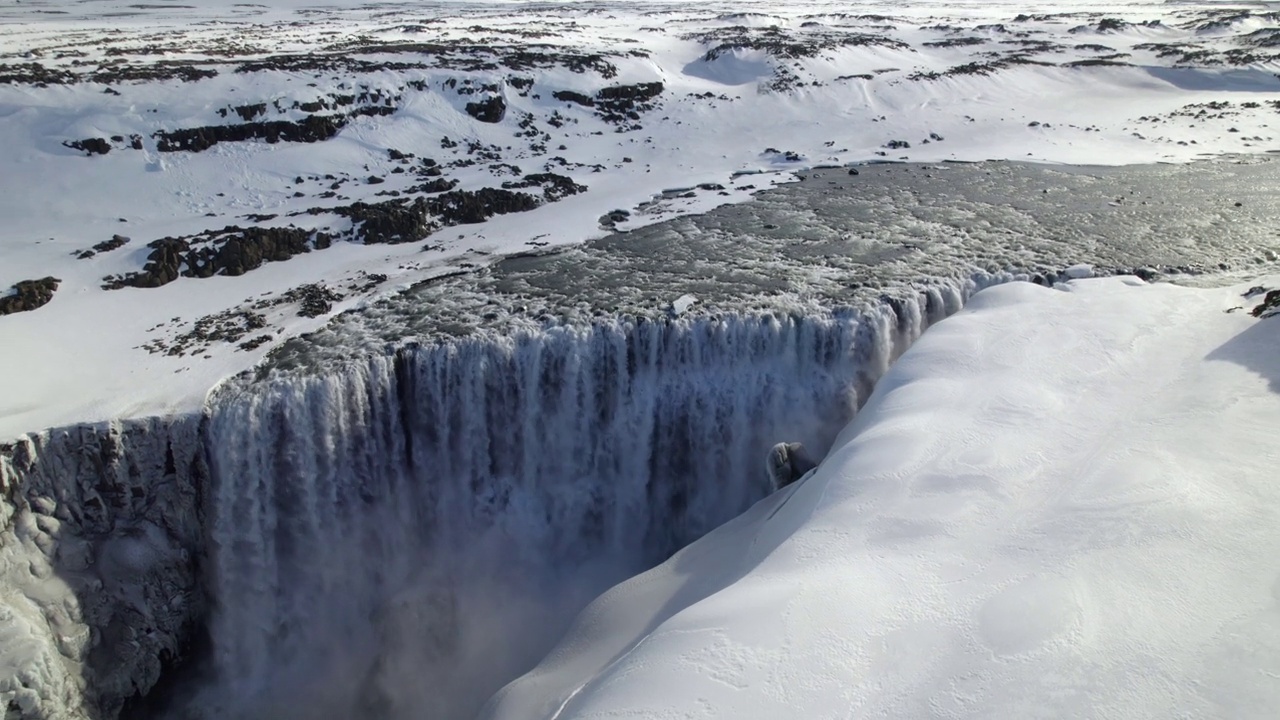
(1058, 503)
(745, 87)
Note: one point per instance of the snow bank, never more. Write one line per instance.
(1057, 503)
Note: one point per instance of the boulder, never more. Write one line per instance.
(29, 295)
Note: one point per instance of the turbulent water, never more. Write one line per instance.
(402, 512)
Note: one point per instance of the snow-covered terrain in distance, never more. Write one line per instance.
(1058, 503)
(272, 166)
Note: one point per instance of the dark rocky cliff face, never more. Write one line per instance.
(101, 543)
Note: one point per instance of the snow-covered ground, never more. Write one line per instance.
(744, 87)
(1059, 503)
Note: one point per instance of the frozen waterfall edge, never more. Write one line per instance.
(118, 540)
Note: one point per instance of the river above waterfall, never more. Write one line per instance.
(836, 239)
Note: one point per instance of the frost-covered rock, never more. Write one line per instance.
(98, 564)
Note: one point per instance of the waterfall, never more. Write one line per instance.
(405, 534)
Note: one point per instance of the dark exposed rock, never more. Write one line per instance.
(151, 72)
(371, 281)
(464, 207)
(391, 221)
(29, 295)
(314, 128)
(618, 103)
(1270, 305)
(435, 185)
(554, 187)
(1096, 62)
(226, 326)
(625, 102)
(323, 63)
(956, 42)
(491, 110)
(230, 251)
(613, 218)
(574, 97)
(400, 221)
(34, 74)
(162, 265)
(778, 43)
(315, 299)
(90, 146)
(256, 342)
(247, 249)
(249, 112)
(116, 241)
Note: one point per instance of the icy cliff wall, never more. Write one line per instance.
(101, 535)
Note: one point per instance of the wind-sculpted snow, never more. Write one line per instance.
(410, 531)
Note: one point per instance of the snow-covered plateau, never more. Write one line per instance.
(352, 350)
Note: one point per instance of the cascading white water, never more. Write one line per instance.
(399, 538)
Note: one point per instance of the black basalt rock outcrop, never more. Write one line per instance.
(90, 146)
(391, 222)
(554, 186)
(29, 295)
(1270, 305)
(116, 241)
(574, 97)
(232, 250)
(625, 102)
(490, 110)
(247, 249)
(465, 207)
(34, 74)
(313, 129)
